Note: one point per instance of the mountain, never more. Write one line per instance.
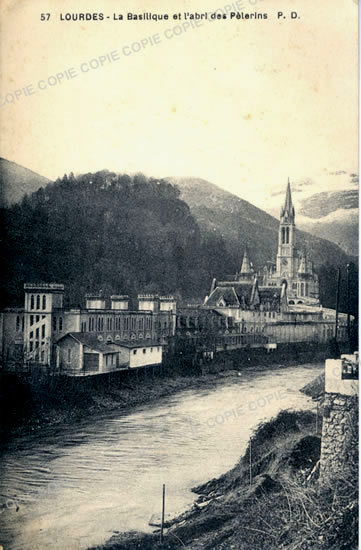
(122, 234)
(334, 216)
(129, 234)
(243, 225)
(16, 181)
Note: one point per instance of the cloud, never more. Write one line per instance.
(337, 173)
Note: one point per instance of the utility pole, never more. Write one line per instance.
(348, 308)
(337, 300)
(162, 518)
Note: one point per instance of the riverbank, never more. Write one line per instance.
(30, 403)
(270, 499)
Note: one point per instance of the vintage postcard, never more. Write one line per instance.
(179, 274)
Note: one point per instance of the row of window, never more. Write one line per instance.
(187, 321)
(35, 318)
(97, 324)
(285, 235)
(35, 345)
(145, 350)
(35, 301)
(57, 324)
(37, 333)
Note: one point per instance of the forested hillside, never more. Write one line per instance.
(112, 232)
(131, 234)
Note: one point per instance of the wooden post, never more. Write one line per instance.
(348, 309)
(163, 509)
(250, 461)
(337, 300)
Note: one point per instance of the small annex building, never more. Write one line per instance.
(80, 354)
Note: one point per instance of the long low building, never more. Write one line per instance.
(79, 354)
(29, 334)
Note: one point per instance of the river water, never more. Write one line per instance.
(70, 488)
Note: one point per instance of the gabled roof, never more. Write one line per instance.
(91, 341)
(223, 297)
(244, 293)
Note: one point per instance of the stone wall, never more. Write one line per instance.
(339, 447)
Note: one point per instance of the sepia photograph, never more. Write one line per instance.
(179, 298)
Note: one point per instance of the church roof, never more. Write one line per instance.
(244, 292)
(269, 293)
(246, 267)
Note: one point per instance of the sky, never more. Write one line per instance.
(244, 104)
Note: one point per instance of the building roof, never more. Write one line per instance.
(223, 297)
(92, 341)
(270, 292)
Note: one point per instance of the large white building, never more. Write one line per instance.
(30, 334)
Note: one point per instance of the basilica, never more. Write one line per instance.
(292, 266)
(289, 281)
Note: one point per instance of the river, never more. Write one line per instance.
(72, 487)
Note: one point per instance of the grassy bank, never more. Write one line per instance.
(276, 504)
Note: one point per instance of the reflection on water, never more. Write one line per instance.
(74, 487)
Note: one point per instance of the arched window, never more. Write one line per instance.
(60, 323)
(32, 302)
(287, 235)
(44, 301)
(283, 235)
(38, 302)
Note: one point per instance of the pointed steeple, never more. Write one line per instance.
(246, 268)
(287, 210)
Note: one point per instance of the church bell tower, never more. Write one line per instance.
(286, 238)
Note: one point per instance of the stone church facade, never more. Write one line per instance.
(292, 266)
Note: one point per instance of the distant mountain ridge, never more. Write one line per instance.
(320, 205)
(17, 181)
(243, 225)
(334, 216)
(226, 225)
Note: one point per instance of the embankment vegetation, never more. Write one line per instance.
(277, 504)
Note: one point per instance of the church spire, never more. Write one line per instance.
(246, 267)
(287, 210)
(247, 272)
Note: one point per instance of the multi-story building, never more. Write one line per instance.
(283, 303)
(32, 332)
